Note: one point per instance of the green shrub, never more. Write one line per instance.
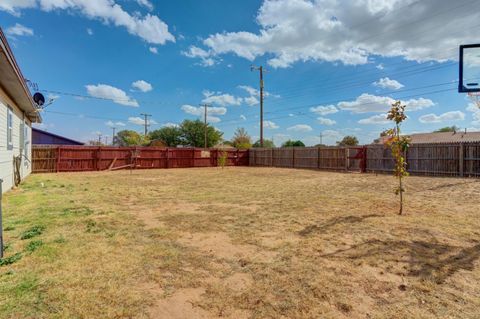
(11, 259)
(33, 245)
(32, 232)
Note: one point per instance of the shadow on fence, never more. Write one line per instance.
(453, 159)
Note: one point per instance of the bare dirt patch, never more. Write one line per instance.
(242, 243)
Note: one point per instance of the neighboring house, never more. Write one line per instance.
(17, 112)
(40, 137)
(439, 137)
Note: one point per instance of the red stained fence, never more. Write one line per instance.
(93, 158)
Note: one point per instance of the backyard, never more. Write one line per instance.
(240, 242)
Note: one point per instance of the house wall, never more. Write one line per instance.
(6, 155)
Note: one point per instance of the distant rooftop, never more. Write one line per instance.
(440, 137)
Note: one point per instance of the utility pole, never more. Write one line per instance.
(113, 134)
(260, 68)
(145, 116)
(321, 138)
(205, 123)
(106, 140)
(99, 138)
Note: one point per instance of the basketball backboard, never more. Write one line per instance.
(469, 77)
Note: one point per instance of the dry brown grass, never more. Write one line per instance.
(242, 243)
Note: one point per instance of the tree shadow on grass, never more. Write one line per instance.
(315, 228)
(434, 188)
(427, 260)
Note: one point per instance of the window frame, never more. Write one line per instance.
(9, 128)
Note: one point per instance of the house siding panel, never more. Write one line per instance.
(6, 155)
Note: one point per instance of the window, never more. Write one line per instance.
(9, 129)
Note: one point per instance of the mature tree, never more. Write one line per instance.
(241, 139)
(266, 143)
(169, 135)
(193, 134)
(348, 140)
(399, 145)
(453, 128)
(130, 138)
(291, 143)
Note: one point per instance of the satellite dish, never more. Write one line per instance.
(39, 99)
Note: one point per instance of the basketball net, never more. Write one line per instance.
(475, 97)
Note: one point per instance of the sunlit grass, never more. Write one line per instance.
(308, 244)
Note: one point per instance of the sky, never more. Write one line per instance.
(332, 68)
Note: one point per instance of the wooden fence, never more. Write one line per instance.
(92, 158)
(453, 159)
(328, 158)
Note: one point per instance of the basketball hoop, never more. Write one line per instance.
(475, 97)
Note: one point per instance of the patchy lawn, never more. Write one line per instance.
(240, 243)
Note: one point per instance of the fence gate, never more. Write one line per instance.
(357, 159)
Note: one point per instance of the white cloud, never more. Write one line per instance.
(170, 124)
(19, 30)
(142, 85)
(445, 117)
(196, 52)
(251, 100)
(326, 121)
(89, 31)
(141, 121)
(243, 117)
(324, 110)
(270, 125)
(154, 50)
(221, 99)
(387, 83)
(114, 124)
(108, 92)
(323, 30)
(375, 119)
(472, 107)
(212, 112)
(300, 128)
(149, 27)
(372, 103)
(145, 3)
(380, 66)
(254, 92)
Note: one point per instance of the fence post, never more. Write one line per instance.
(347, 159)
(97, 157)
(293, 156)
(318, 157)
(168, 158)
(461, 157)
(57, 164)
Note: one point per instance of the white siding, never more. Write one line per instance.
(6, 155)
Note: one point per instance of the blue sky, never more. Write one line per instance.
(332, 68)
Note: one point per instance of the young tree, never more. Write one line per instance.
(266, 143)
(399, 145)
(291, 143)
(241, 139)
(348, 140)
(130, 138)
(169, 135)
(193, 134)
